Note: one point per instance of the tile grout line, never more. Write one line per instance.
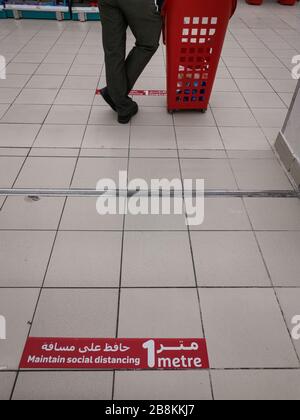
(193, 261)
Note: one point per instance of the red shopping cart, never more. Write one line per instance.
(194, 33)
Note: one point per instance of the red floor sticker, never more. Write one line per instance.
(143, 92)
(129, 354)
(148, 92)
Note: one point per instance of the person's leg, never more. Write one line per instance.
(114, 27)
(144, 19)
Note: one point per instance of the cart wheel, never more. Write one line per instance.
(203, 111)
(171, 111)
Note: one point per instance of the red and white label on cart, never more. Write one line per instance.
(129, 354)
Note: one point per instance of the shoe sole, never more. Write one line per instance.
(126, 120)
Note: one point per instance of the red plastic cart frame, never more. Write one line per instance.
(194, 32)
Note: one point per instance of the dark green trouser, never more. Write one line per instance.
(144, 20)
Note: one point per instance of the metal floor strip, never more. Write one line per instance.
(75, 192)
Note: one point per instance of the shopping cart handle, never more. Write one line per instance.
(164, 7)
(164, 12)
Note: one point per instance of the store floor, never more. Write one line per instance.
(68, 272)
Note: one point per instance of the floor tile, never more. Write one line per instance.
(90, 171)
(46, 173)
(263, 100)
(256, 385)
(157, 259)
(225, 117)
(239, 260)
(198, 138)
(142, 312)
(95, 59)
(281, 253)
(85, 259)
(286, 98)
(81, 214)
(148, 83)
(271, 134)
(31, 250)
(105, 136)
(36, 97)
(245, 73)
(260, 174)
(21, 68)
(244, 138)
(270, 117)
(148, 101)
(85, 70)
(17, 306)
(202, 154)
(102, 115)
(7, 380)
(81, 82)
(223, 213)
(18, 135)
(274, 213)
(152, 116)
(243, 62)
(20, 213)
(152, 137)
(155, 222)
(60, 136)
(245, 329)
(194, 119)
(289, 301)
(9, 169)
(227, 100)
(254, 85)
(53, 69)
(216, 173)
(59, 313)
(63, 114)
(225, 85)
(59, 58)
(45, 82)
(26, 114)
(162, 386)
(3, 109)
(15, 81)
(75, 97)
(276, 73)
(154, 169)
(287, 86)
(64, 386)
(8, 95)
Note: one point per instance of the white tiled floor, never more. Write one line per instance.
(65, 271)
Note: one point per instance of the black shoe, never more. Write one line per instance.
(124, 119)
(106, 96)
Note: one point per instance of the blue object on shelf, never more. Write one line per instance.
(37, 9)
(2, 10)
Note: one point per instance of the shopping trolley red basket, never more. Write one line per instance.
(194, 33)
